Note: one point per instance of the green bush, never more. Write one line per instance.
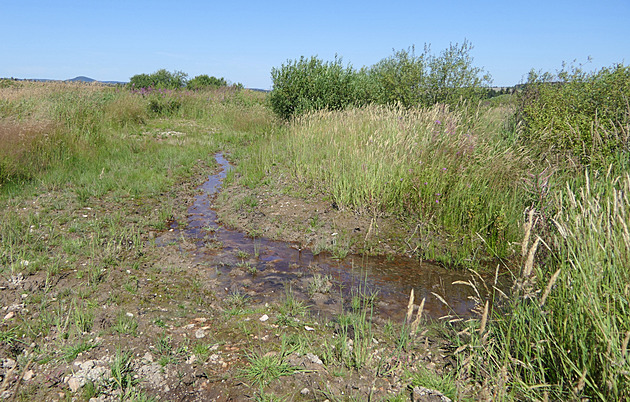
(311, 84)
(453, 77)
(205, 82)
(402, 79)
(427, 79)
(161, 79)
(584, 114)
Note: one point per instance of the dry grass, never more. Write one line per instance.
(20, 143)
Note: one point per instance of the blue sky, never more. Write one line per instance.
(243, 40)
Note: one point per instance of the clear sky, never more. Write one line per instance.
(242, 40)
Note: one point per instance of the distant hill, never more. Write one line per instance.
(81, 79)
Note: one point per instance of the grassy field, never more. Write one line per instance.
(90, 176)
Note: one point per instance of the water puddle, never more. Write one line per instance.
(260, 267)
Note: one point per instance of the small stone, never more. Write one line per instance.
(264, 318)
(10, 315)
(29, 375)
(191, 359)
(148, 357)
(306, 327)
(200, 333)
(313, 358)
(9, 363)
(421, 394)
(74, 384)
(87, 365)
(305, 391)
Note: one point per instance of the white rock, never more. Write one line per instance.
(148, 357)
(305, 391)
(74, 384)
(29, 375)
(200, 333)
(87, 365)
(313, 358)
(264, 318)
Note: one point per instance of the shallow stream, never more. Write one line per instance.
(261, 267)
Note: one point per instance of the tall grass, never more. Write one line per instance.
(456, 169)
(564, 333)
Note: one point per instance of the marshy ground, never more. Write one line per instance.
(124, 275)
(149, 312)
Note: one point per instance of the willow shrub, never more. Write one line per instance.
(310, 84)
(405, 79)
(160, 79)
(584, 114)
(426, 79)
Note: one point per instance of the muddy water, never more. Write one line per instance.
(261, 267)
